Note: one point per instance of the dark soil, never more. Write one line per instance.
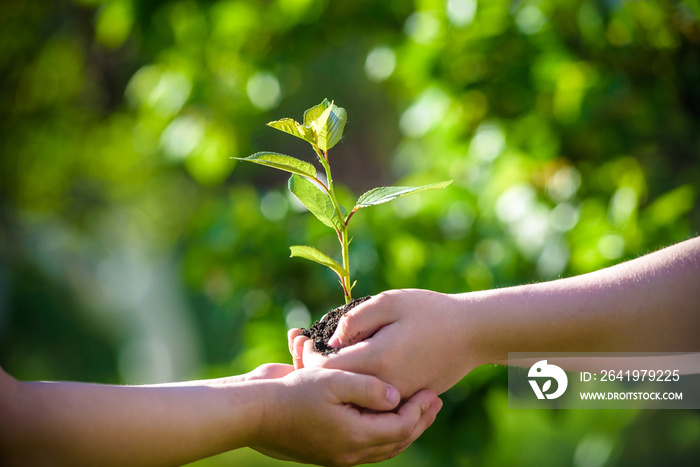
(321, 331)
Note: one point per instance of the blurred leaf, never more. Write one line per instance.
(316, 201)
(387, 193)
(208, 163)
(670, 206)
(114, 23)
(312, 254)
(281, 162)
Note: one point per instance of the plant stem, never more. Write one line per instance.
(345, 244)
(342, 233)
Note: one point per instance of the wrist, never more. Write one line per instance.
(462, 330)
(478, 317)
(269, 408)
(242, 407)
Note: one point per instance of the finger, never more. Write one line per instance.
(310, 357)
(388, 434)
(427, 417)
(298, 350)
(358, 358)
(361, 322)
(291, 335)
(389, 450)
(364, 391)
(409, 422)
(373, 454)
(418, 404)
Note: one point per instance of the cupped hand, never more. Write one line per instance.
(317, 416)
(412, 339)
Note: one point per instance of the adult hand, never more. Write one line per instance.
(316, 416)
(411, 339)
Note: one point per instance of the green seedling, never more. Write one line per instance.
(322, 128)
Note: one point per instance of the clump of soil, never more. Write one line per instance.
(321, 331)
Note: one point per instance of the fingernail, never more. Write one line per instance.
(334, 342)
(392, 395)
(426, 406)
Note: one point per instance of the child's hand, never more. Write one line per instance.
(408, 338)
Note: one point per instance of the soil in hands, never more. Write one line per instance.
(321, 331)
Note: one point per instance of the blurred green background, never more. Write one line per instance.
(134, 250)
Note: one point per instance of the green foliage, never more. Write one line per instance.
(387, 193)
(132, 248)
(312, 254)
(282, 162)
(323, 128)
(317, 201)
(290, 126)
(329, 126)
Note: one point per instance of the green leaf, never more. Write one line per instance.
(327, 121)
(312, 114)
(281, 162)
(330, 126)
(388, 193)
(316, 201)
(312, 254)
(290, 126)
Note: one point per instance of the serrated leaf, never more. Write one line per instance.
(388, 193)
(312, 114)
(312, 254)
(330, 126)
(316, 201)
(281, 162)
(294, 128)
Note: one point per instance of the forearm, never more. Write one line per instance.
(648, 304)
(85, 424)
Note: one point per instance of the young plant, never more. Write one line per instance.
(322, 128)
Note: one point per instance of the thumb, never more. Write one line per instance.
(365, 391)
(360, 323)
